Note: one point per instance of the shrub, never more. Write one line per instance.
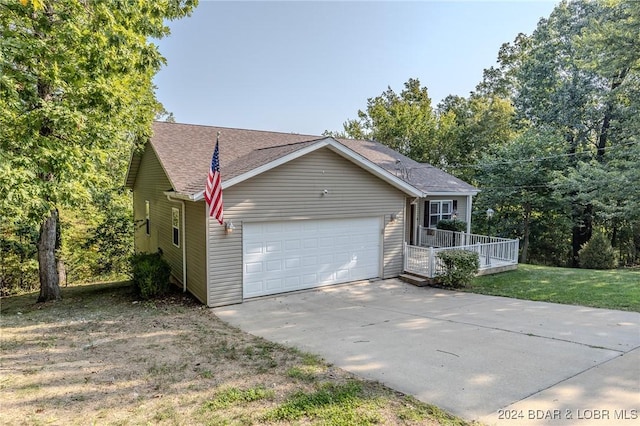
(597, 253)
(452, 225)
(460, 267)
(150, 274)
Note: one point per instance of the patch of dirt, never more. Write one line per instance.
(100, 356)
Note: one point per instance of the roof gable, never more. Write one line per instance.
(185, 151)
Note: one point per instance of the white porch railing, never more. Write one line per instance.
(493, 252)
(428, 237)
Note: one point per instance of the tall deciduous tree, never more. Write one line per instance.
(75, 93)
(578, 73)
(405, 122)
(517, 180)
(470, 126)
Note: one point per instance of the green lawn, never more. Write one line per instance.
(612, 289)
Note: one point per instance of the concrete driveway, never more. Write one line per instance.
(493, 359)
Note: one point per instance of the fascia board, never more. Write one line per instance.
(450, 193)
(178, 196)
(132, 174)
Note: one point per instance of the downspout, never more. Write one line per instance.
(468, 213)
(184, 241)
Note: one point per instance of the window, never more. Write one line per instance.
(175, 225)
(147, 229)
(438, 210)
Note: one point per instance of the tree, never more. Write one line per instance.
(516, 181)
(449, 137)
(405, 122)
(577, 73)
(471, 126)
(75, 93)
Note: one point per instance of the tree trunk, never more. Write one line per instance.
(608, 115)
(49, 281)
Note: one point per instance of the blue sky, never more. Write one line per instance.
(305, 66)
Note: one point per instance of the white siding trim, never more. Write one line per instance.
(207, 272)
(468, 214)
(382, 231)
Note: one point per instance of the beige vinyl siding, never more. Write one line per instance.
(293, 191)
(225, 264)
(151, 182)
(393, 246)
(196, 249)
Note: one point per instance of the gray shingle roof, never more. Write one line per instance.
(185, 152)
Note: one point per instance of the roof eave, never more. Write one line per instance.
(451, 193)
(132, 169)
(179, 196)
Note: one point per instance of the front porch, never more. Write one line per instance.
(495, 254)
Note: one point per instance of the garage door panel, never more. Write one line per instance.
(274, 284)
(292, 244)
(286, 256)
(274, 265)
(292, 282)
(253, 248)
(253, 267)
(292, 263)
(309, 280)
(310, 243)
(273, 246)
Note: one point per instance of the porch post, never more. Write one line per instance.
(404, 257)
(468, 213)
(432, 263)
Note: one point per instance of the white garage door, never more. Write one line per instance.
(294, 255)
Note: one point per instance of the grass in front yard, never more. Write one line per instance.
(100, 356)
(610, 289)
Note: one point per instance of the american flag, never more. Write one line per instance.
(213, 190)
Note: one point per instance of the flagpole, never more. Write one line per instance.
(213, 187)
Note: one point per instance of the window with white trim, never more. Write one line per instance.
(437, 211)
(175, 225)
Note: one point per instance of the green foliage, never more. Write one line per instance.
(521, 190)
(597, 253)
(150, 274)
(551, 239)
(405, 122)
(18, 266)
(578, 74)
(76, 94)
(450, 136)
(470, 126)
(460, 267)
(452, 225)
(112, 236)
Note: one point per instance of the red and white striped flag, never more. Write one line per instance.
(213, 190)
